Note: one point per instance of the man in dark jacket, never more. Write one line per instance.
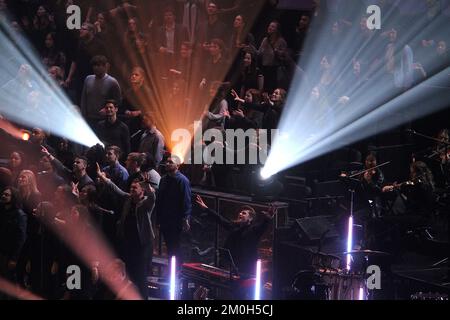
(151, 140)
(135, 229)
(112, 131)
(244, 235)
(48, 180)
(173, 206)
(78, 175)
(13, 232)
(169, 38)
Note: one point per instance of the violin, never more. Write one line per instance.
(441, 154)
(370, 172)
(349, 175)
(368, 175)
(405, 183)
(408, 183)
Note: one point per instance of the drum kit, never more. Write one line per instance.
(344, 284)
(336, 283)
(350, 283)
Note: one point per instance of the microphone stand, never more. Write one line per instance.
(233, 268)
(352, 190)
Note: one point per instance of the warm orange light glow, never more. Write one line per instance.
(25, 136)
(176, 99)
(10, 128)
(16, 291)
(89, 245)
(180, 151)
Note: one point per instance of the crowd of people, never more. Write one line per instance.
(129, 61)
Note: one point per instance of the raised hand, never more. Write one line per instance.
(226, 114)
(236, 96)
(203, 83)
(75, 189)
(45, 151)
(200, 202)
(100, 173)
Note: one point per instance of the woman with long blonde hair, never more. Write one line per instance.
(30, 197)
(26, 183)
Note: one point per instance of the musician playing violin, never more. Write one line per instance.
(437, 157)
(368, 199)
(372, 180)
(416, 196)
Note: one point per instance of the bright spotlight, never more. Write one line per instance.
(25, 135)
(264, 173)
(31, 97)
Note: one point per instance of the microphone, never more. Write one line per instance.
(232, 264)
(43, 172)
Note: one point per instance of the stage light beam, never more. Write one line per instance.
(31, 98)
(14, 290)
(321, 120)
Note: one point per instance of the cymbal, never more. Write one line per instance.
(367, 252)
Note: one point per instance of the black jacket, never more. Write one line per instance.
(13, 232)
(143, 211)
(243, 240)
(68, 175)
(116, 134)
(271, 114)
